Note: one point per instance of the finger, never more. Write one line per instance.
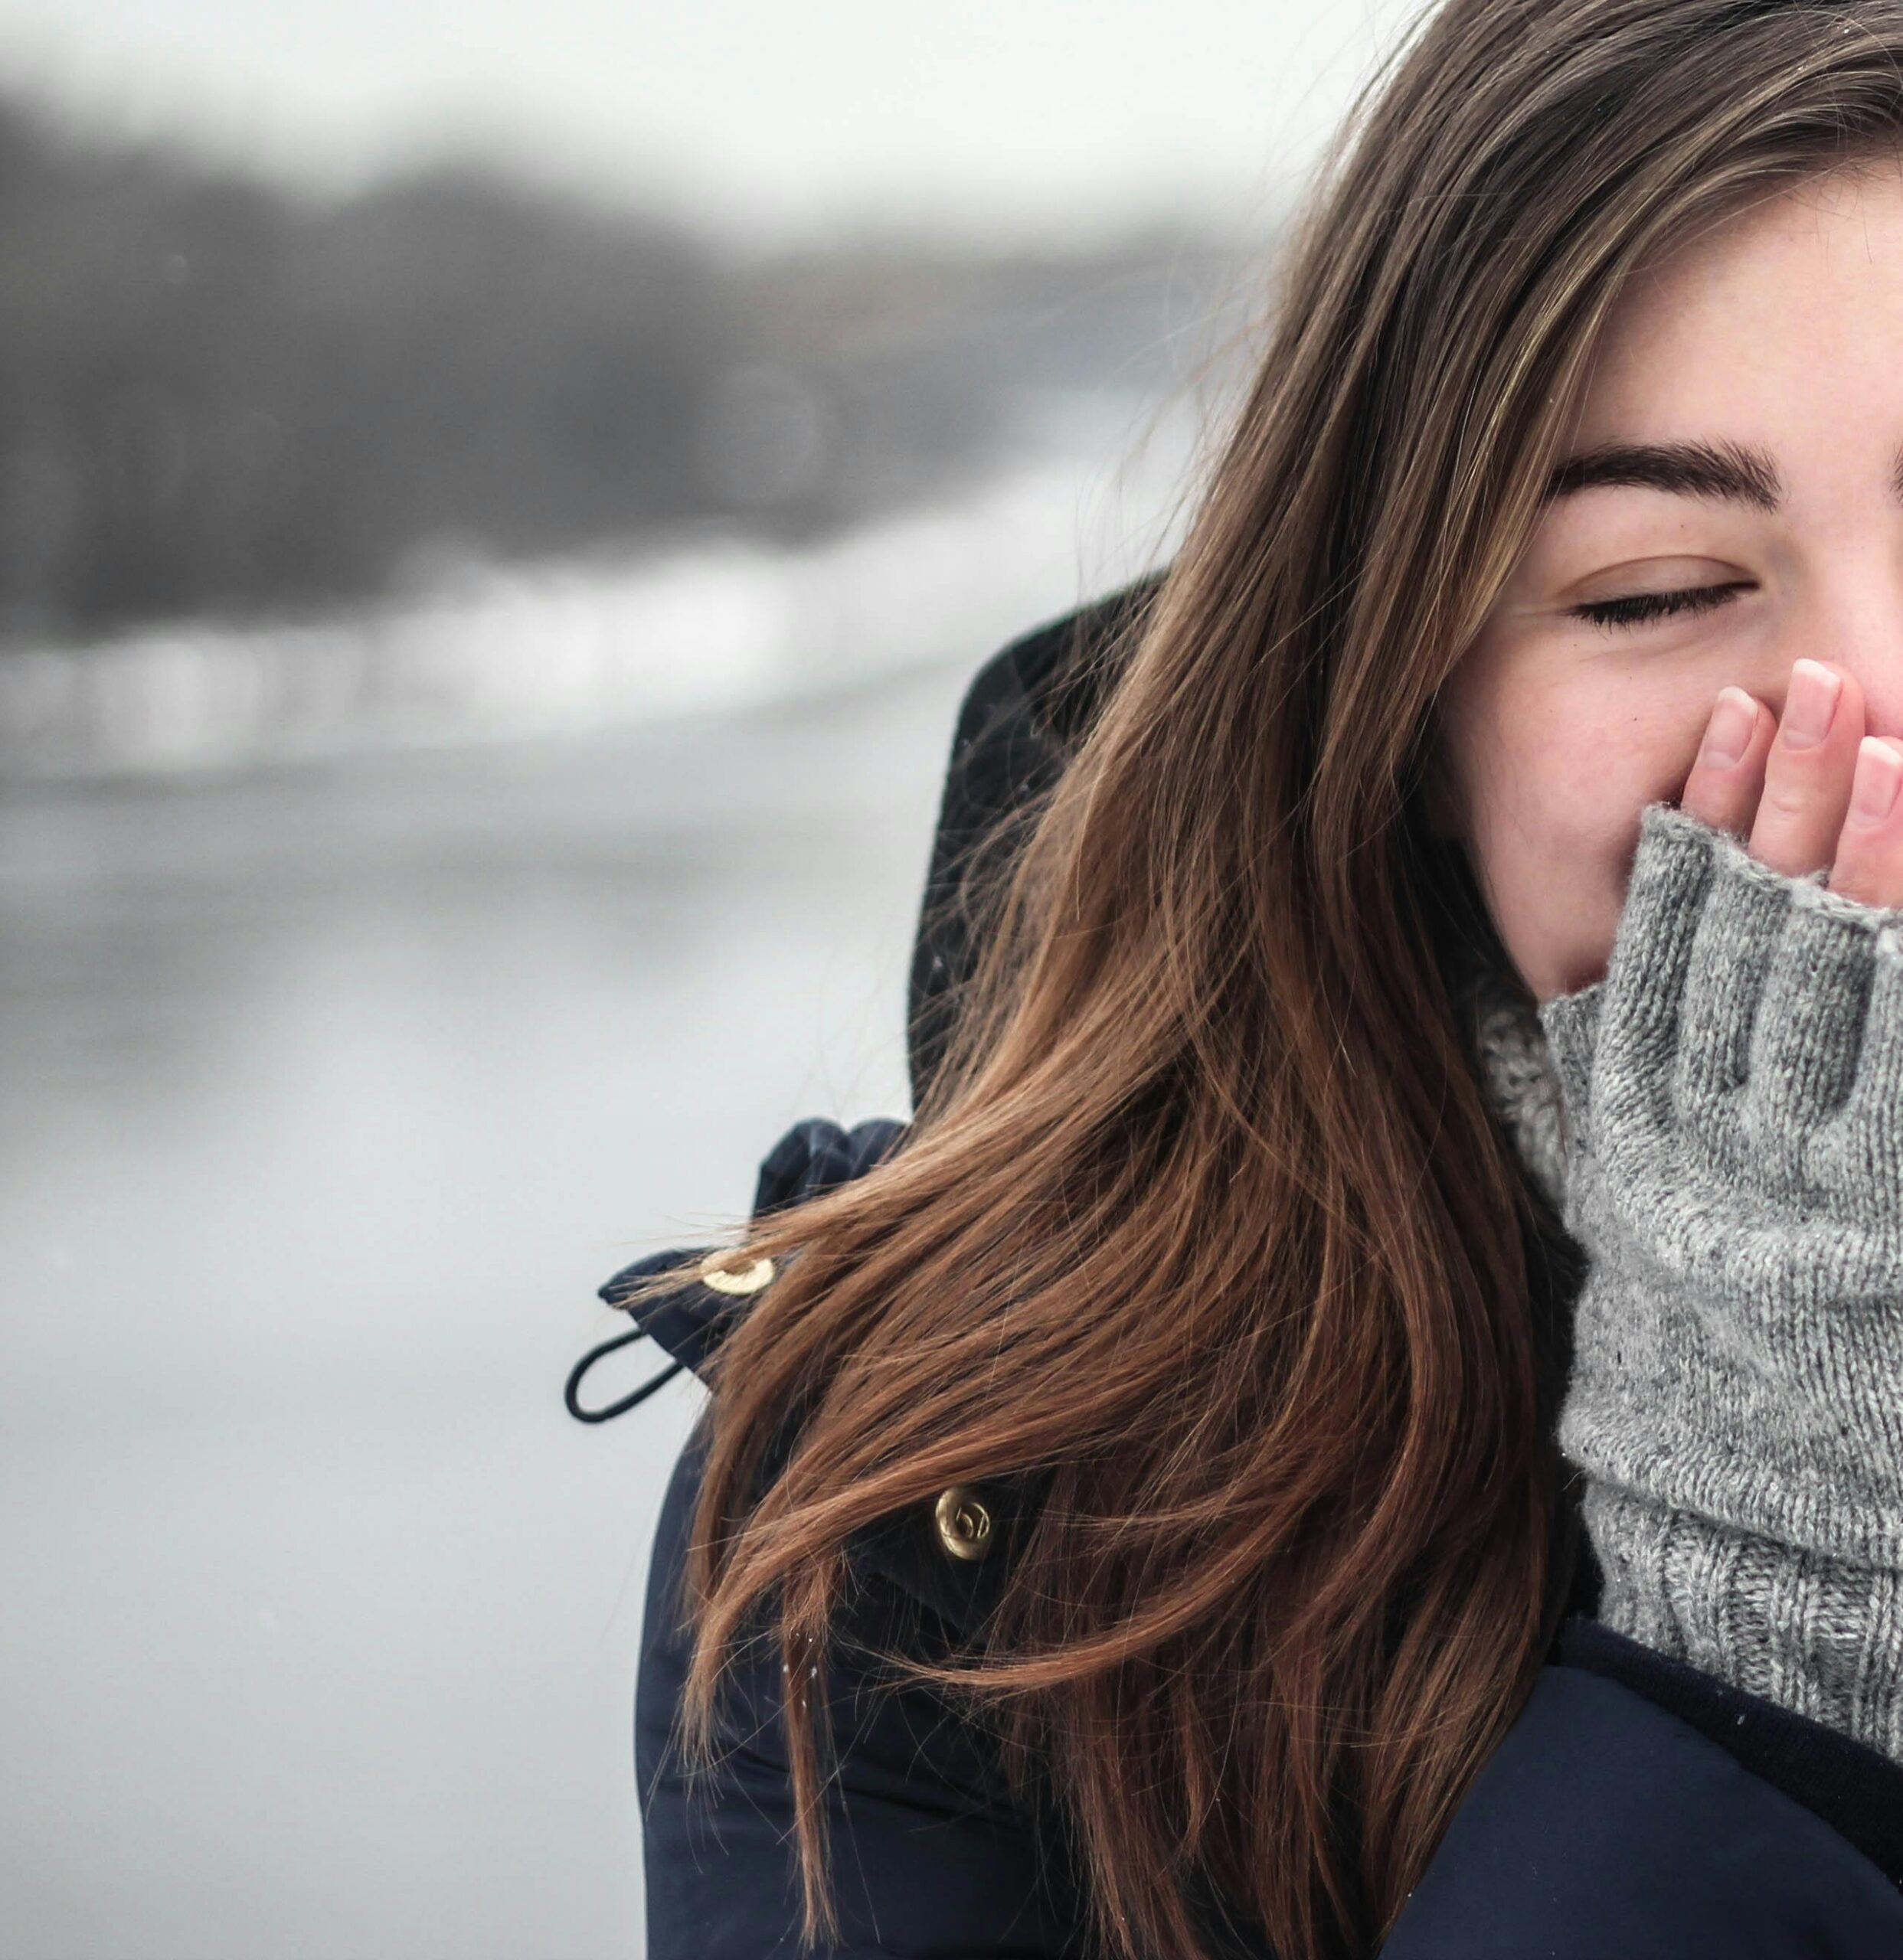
(1808, 772)
(1728, 776)
(1806, 1035)
(1870, 860)
(1745, 911)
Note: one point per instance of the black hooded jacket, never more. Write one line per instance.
(1636, 1808)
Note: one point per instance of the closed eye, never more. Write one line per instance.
(1637, 609)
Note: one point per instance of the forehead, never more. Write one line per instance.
(1788, 309)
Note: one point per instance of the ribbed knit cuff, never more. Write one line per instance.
(1815, 1636)
(1733, 1096)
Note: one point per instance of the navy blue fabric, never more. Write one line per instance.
(1023, 714)
(816, 1154)
(1852, 1787)
(687, 1322)
(1605, 1828)
(811, 1158)
(931, 1855)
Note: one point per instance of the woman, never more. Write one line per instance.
(1361, 1412)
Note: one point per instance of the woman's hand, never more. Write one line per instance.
(1732, 1092)
(1813, 793)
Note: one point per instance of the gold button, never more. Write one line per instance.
(964, 1523)
(741, 1279)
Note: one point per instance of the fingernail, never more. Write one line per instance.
(1810, 702)
(1729, 733)
(1873, 787)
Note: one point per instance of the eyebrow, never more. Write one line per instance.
(1728, 472)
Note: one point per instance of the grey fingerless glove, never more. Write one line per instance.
(1732, 1099)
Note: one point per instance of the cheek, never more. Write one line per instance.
(1555, 781)
(1554, 886)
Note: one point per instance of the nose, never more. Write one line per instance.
(1862, 637)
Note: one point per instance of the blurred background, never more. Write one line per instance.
(497, 508)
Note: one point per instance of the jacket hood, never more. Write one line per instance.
(1020, 719)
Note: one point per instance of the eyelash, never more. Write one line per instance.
(1639, 609)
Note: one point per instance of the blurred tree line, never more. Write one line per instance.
(216, 396)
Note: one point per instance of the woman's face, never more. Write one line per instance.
(1753, 383)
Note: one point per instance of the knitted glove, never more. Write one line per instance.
(1732, 1094)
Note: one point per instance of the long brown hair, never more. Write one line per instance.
(1205, 1221)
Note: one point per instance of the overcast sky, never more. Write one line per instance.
(771, 117)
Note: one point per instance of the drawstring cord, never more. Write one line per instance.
(571, 1392)
(812, 1157)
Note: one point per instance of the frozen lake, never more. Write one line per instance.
(329, 1094)
(371, 990)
